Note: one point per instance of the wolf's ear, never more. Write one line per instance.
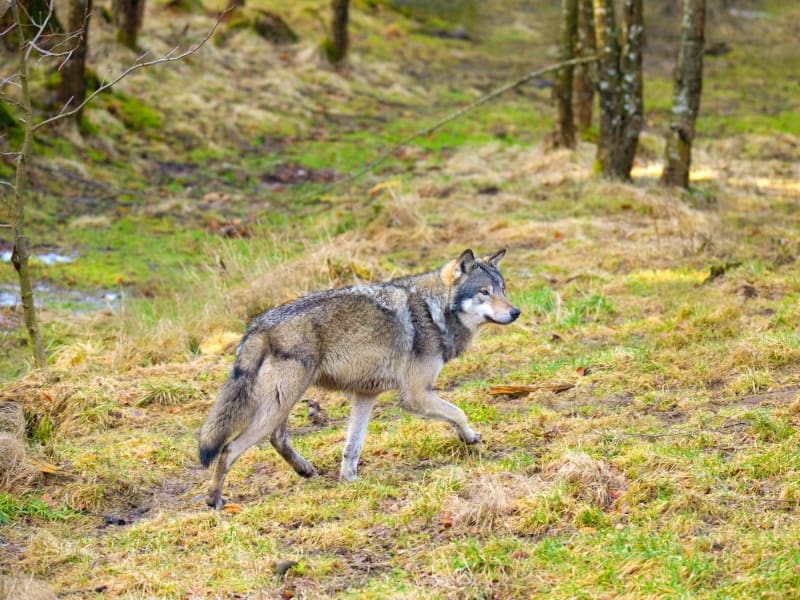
(455, 269)
(495, 258)
(464, 264)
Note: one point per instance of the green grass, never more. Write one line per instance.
(31, 508)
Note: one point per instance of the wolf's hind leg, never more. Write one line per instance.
(427, 404)
(280, 441)
(253, 434)
(356, 432)
(277, 395)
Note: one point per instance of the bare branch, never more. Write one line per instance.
(10, 80)
(140, 64)
(40, 31)
(45, 53)
(7, 29)
(455, 115)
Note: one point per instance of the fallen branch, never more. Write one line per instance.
(516, 390)
(455, 115)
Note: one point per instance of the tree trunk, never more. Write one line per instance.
(631, 83)
(128, 17)
(72, 90)
(583, 84)
(20, 255)
(686, 99)
(340, 41)
(564, 132)
(608, 88)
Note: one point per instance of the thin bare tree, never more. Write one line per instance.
(583, 83)
(128, 17)
(339, 42)
(14, 194)
(686, 99)
(564, 130)
(619, 86)
(632, 83)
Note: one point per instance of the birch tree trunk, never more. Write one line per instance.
(564, 131)
(686, 99)
(619, 86)
(72, 90)
(631, 84)
(608, 86)
(583, 84)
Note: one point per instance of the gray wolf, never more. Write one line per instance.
(363, 340)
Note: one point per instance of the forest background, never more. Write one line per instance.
(640, 421)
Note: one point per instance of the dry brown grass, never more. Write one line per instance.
(12, 588)
(592, 480)
(17, 473)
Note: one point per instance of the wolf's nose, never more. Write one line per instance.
(515, 312)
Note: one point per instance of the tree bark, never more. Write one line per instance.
(583, 84)
(564, 132)
(340, 40)
(128, 17)
(20, 255)
(619, 87)
(72, 90)
(632, 85)
(686, 99)
(608, 86)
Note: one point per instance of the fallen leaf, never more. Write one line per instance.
(44, 467)
(232, 508)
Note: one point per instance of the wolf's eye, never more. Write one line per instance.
(483, 291)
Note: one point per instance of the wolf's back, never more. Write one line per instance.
(235, 404)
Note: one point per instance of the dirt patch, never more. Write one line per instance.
(293, 174)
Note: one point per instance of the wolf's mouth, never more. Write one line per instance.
(510, 319)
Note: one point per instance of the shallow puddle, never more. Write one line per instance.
(54, 297)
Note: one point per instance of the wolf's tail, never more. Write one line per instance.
(235, 404)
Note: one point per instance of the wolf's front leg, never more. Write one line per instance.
(428, 404)
(356, 432)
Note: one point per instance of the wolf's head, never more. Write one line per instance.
(478, 290)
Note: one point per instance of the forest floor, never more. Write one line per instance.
(657, 452)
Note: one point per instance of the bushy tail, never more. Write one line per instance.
(235, 404)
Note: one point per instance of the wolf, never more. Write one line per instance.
(362, 340)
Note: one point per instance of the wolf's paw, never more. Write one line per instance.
(215, 501)
(470, 437)
(348, 474)
(307, 471)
